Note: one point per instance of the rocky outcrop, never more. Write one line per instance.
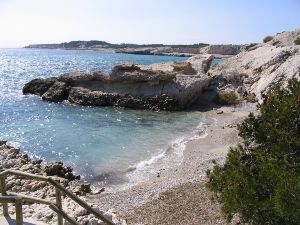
(221, 49)
(185, 51)
(58, 169)
(165, 86)
(12, 158)
(57, 92)
(259, 67)
(38, 86)
(145, 49)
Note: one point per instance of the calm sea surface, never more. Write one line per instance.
(94, 140)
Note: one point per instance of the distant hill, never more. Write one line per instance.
(145, 49)
(102, 44)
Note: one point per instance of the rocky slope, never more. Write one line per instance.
(164, 86)
(259, 67)
(221, 49)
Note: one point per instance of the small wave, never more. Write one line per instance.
(14, 144)
(172, 156)
(150, 161)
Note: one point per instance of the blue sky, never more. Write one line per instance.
(145, 21)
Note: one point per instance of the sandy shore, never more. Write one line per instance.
(177, 195)
(172, 192)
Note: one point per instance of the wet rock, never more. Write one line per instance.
(38, 86)
(57, 92)
(85, 188)
(58, 169)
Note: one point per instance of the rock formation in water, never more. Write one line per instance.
(163, 86)
(177, 85)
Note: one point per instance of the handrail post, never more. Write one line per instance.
(3, 192)
(19, 211)
(59, 206)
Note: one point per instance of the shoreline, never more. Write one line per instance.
(13, 159)
(114, 50)
(170, 156)
(134, 202)
(182, 184)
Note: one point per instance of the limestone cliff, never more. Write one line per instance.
(259, 67)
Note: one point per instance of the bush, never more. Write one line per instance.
(260, 180)
(276, 43)
(267, 39)
(227, 97)
(297, 41)
(251, 98)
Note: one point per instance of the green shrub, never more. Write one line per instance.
(251, 47)
(297, 41)
(275, 43)
(251, 98)
(260, 180)
(227, 97)
(267, 39)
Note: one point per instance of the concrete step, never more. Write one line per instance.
(10, 220)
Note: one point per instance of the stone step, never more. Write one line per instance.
(10, 220)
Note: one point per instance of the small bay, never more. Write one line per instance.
(93, 140)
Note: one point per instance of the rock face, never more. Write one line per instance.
(38, 86)
(57, 92)
(185, 51)
(165, 86)
(221, 49)
(259, 67)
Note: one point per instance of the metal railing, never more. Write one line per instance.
(19, 199)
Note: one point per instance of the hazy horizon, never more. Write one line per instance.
(144, 22)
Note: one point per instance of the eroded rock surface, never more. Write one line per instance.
(163, 86)
(221, 49)
(260, 67)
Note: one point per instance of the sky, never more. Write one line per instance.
(24, 22)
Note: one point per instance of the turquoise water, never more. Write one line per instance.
(215, 62)
(94, 140)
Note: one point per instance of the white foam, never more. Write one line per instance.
(170, 157)
(14, 144)
(150, 161)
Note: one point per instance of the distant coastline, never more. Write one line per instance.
(144, 49)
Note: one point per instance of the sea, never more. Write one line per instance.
(102, 144)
